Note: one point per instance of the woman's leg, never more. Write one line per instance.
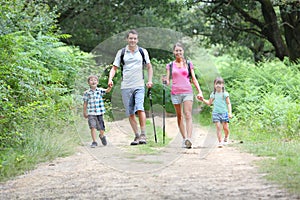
(180, 119)
(187, 108)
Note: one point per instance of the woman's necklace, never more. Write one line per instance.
(179, 63)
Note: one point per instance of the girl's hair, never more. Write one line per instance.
(219, 80)
(178, 44)
(92, 76)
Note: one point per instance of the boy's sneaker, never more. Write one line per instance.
(135, 141)
(142, 139)
(220, 145)
(188, 143)
(103, 140)
(94, 144)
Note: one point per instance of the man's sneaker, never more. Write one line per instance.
(188, 143)
(103, 140)
(135, 141)
(142, 139)
(220, 145)
(94, 144)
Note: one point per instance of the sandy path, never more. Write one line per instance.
(112, 172)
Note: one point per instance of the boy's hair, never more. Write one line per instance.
(92, 76)
(134, 32)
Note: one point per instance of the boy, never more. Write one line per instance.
(93, 109)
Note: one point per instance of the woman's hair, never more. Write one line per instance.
(178, 44)
(92, 76)
(219, 80)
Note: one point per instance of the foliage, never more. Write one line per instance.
(266, 112)
(37, 79)
(266, 27)
(29, 16)
(92, 22)
(264, 97)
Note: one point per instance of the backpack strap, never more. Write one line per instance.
(170, 69)
(122, 61)
(143, 55)
(189, 69)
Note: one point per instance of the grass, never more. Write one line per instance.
(41, 146)
(281, 162)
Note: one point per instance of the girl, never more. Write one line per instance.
(221, 110)
(182, 74)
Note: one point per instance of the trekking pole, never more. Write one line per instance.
(164, 106)
(153, 122)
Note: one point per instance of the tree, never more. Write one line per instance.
(253, 23)
(91, 22)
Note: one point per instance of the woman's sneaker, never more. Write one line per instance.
(225, 141)
(220, 145)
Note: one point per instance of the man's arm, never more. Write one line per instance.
(150, 75)
(112, 75)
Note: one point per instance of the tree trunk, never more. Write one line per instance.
(271, 30)
(291, 24)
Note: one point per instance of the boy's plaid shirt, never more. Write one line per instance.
(95, 103)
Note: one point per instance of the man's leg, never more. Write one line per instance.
(142, 120)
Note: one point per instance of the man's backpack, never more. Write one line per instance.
(122, 59)
(189, 69)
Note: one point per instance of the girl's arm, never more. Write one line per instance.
(208, 102)
(229, 107)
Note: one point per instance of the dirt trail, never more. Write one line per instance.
(114, 172)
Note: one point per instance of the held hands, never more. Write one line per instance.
(200, 97)
(110, 83)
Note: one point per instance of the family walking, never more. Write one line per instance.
(131, 61)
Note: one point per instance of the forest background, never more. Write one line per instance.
(46, 49)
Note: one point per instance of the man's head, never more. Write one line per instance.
(132, 38)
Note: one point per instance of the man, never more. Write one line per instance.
(132, 85)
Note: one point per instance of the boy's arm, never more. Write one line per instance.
(108, 89)
(229, 107)
(84, 109)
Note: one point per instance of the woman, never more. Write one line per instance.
(181, 71)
